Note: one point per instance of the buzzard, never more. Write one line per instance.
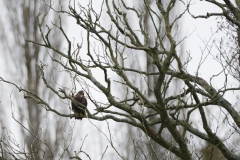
(77, 109)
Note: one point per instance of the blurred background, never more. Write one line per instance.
(22, 120)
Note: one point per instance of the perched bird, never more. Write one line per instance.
(77, 109)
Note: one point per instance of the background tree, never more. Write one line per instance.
(197, 112)
(19, 23)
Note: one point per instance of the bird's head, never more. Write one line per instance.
(81, 92)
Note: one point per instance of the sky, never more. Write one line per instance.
(205, 31)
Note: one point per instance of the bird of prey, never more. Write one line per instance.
(77, 109)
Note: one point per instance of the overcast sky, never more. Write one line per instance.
(199, 31)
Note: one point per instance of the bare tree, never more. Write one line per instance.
(101, 59)
(153, 150)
